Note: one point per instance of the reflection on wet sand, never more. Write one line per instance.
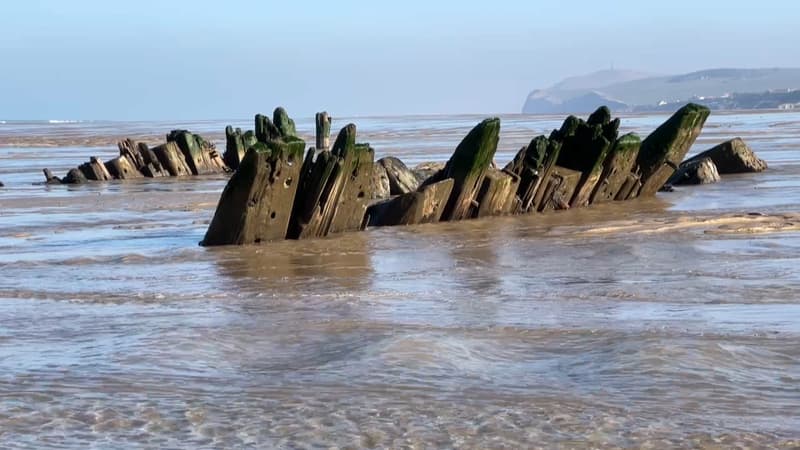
(341, 262)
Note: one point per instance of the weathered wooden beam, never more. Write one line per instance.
(284, 123)
(536, 200)
(498, 193)
(620, 162)
(201, 156)
(664, 149)
(236, 144)
(172, 160)
(585, 146)
(256, 205)
(467, 167)
(152, 166)
(121, 168)
(561, 188)
(95, 170)
(265, 129)
(630, 187)
(323, 130)
(336, 188)
(130, 149)
(357, 162)
(423, 206)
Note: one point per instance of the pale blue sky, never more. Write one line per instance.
(181, 59)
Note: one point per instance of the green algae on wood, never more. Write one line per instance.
(533, 164)
(620, 162)
(201, 156)
(585, 146)
(336, 188)
(664, 149)
(265, 130)
(236, 145)
(283, 122)
(467, 167)
(356, 175)
(256, 204)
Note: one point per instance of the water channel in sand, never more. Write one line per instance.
(672, 321)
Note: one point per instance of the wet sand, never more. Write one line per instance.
(666, 322)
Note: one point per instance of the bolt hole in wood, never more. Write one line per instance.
(287, 183)
(273, 215)
(290, 160)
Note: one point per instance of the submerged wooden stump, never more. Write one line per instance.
(467, 167)
(256, 205)
(357, 192)
(664, 149)
(265, 129)
(317, 195)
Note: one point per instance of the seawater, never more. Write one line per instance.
(558, 330)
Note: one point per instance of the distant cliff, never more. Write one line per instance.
(625, 90)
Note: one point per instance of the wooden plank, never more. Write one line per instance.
(172, 160)
(619, 164)
(256, 205)
(497, 194)
(467, 167)
(423, 206)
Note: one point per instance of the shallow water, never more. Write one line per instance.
(643, 324)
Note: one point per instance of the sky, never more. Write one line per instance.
(200, 59)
